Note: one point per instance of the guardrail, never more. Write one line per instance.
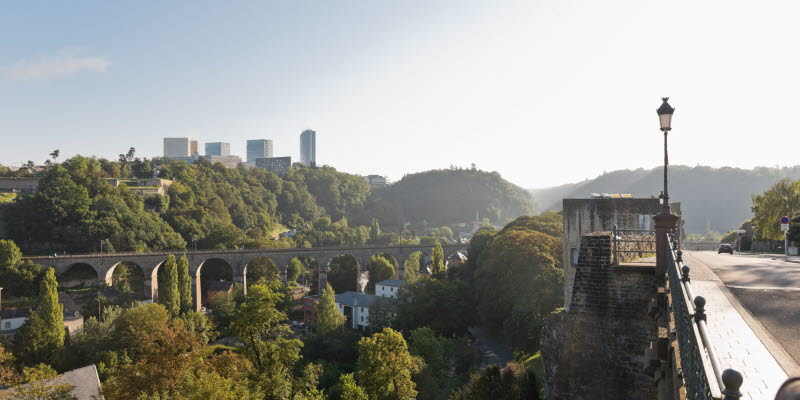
(700, 367)
(643, 242)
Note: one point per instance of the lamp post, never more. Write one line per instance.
(665, 220)
(665, 118)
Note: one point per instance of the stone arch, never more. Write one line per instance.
(139, 285)
(344, 273)
(221, 269)
(311, 266)
(262, 266)
(79, 274)
(425, 259)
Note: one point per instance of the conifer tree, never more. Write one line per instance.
(42, 335)
(184, 284)
(374, 230)
(329, 318)
(437, 266)
(168, 294)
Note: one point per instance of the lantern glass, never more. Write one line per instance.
(666, 121)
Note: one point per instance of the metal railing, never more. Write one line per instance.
(641, 241)
(701, 371)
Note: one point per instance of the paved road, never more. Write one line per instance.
(768, 286)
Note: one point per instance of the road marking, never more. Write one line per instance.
(788, 289)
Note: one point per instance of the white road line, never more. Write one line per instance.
(788, 289)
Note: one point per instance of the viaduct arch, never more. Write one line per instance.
(104, 263)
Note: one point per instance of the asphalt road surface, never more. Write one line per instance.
(767, 285)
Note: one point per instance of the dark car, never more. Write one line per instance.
(725, 248)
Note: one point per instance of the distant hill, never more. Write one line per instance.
(711, 198)
(445, 197)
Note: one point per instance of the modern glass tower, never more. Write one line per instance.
(258, 148)
(308, 147)
(218, 149)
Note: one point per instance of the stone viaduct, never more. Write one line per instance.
(105, 263)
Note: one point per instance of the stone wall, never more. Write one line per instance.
(582, 216)
(27, 185)
(597, 350)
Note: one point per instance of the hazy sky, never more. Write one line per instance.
(544, 92)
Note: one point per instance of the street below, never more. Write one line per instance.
(768, 286)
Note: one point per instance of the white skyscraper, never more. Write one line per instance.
(308, 147)
(176, 147)
(258, 148)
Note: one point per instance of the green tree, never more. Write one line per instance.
(184, 284)
(168, 293)
(518, 282)
(295, 270)
(381, 313)
(329, 319)
(350, 389)
(782, 199)
(267, 342)
(385, 367)
(343, 274)
(411, 267)
(437, 266)
(511, 382)
(374, 230)
(42, 335)
(379, 269)
(10, 255)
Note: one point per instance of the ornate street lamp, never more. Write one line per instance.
(665, 118)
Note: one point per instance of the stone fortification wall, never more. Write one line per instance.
(27, 185)
(583, 216)
(597, 350)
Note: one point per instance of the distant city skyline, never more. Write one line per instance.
(537, 91)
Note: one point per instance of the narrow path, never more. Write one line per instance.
(492, 351)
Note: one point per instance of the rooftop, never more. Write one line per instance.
(355, 299)
(391, 282)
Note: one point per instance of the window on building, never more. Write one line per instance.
(393, 289)
(575, 253)
(8, 325)
(362, 318)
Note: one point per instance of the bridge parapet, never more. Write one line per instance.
(696, 358)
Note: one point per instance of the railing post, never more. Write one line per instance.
(614, 244)
(699, 311)
(732, 381)
(685, 274)
(680, 256)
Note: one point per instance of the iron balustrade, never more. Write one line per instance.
(642, 241)
(702, 373)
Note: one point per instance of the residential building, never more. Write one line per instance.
(12, 320)
(258, 148)
(376, 181)
(16, 185)
(228, 161)
(277, 165)
(194, 148)
(355, 307)
(309, 309)
(388, 288)
(216, 288)
(218, 149)
(308, 147)
(177, 147)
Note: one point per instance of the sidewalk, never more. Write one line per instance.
(740, 341)
(737, 346)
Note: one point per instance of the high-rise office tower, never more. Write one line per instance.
(193, 148)
(218, 149)
(176, 147)
(308, 147)
(258, 148)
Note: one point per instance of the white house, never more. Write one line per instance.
(355, 307)
(388, 288)
(11, 320)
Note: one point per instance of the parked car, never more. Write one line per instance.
(725, 248)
